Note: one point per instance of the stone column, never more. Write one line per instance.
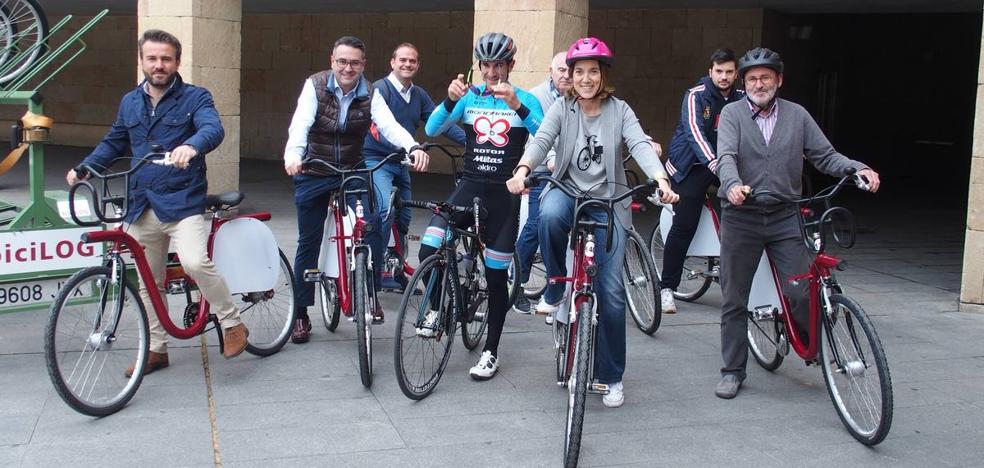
(972, 286)
(211, 42)
(541, 28)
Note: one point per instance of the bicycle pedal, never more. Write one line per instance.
(178, 286)
(312, 275)
(413, 237)
(598, 388)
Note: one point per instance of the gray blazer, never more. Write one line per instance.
(621, 126)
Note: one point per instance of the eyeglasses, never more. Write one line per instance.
(764, 79)
(488, 90)
(343, 64)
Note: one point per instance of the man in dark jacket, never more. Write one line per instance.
(692, 161)
(333, 115)
(167, 202)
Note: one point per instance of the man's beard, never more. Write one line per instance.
(159, 84)
(766, 100)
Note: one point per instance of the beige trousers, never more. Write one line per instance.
(190, 237)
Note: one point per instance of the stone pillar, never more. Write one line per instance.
(211, 57)
(972, 286)
(541, 28)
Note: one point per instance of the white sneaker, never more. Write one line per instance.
(666, 300)
(615, 397)
(428, 328)
(486, 367)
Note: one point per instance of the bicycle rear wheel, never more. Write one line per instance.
(330, 307)
(425, 328)
(766, 339)
(577, 386)
(856, 371)
(641, 284)
(23, 27)
(269, 314)
(96, 330)
(694, 279)
(476, 314)
(361, 308)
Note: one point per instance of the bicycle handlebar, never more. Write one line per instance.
(447, 209)
(103, 197)
(325, 168)
(584, 200)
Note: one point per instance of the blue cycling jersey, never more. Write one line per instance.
(495, 135)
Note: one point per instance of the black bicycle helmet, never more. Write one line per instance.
(492, 47)
(759, 57)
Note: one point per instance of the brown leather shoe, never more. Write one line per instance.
(302, 329)
(154, 362)
(234, 341)
(378, 317)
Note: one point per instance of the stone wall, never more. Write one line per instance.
(972, 285)
(85, 96)
(660, 53)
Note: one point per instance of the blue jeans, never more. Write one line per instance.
(556, 220)
(392, 174)
(529, 240)
(311, 196)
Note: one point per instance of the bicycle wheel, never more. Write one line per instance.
(641, 285)
(330, 307)
(577, 386)
(561, 333)
(476, 313)
(856, 371)
(537, 282)
(694, 280)
(425, 328)
(766, 339)
(513, 279)
(97, 328)
(23, 27)
(363, 316)
(269, 315)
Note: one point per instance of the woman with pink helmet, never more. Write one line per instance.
(593, 125)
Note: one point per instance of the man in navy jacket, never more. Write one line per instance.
(691, 162)
(168, 202)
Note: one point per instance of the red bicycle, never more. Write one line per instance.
(842, 340)
(98, 323)
(344, 252)
(574, 335)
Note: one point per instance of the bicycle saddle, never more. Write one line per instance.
(224, 200)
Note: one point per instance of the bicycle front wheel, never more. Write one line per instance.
(695, 278)
(363, 316)
(425, 328)
(476, 314)
(513, 279)
(766, 339)
(641, 285)
(856, 371)
(269, 314)
(577, 386)
(96, 330)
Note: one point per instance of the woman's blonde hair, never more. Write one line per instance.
(604, 92)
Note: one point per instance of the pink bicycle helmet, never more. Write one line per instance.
(590, 48)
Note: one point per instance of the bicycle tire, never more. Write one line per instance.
(431, 277)
(848, 316)
(363, 317)
(693, 281)
(136, 348)
(577, 387)
(641, 284)
(31, 26)
(537, 282)
(766, 340)
(513, 280)
(475, 289)
(330, 307)
(279, 316)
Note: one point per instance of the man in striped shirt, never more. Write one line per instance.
(691, 162)
(762, 144)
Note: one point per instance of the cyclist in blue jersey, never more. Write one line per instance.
(498, 119)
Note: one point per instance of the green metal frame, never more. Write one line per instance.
(40, 213)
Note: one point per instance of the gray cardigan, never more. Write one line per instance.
(622, 128)
(546, 97)
(745, 159)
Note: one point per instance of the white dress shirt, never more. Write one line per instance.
(404, 93)
(304, 115)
